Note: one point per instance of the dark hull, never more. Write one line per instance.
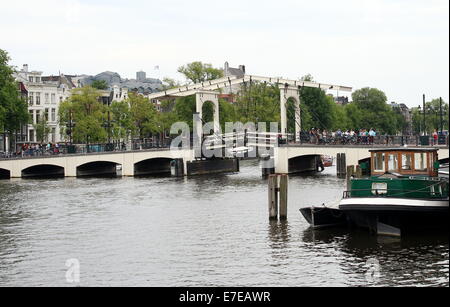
(324, 217)
(396, 223)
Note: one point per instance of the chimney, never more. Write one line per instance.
(25, 67)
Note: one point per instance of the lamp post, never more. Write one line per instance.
(419, 121)
(424, 119)
(441, 115)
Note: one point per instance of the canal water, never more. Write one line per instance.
(203, 231)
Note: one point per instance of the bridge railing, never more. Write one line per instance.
(383, 140)
(63, 149)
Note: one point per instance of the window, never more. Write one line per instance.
(53, 98)
(406, 162)
(53, 135)
(31, 135)
(420, 161)
(53, 115)
(31, 79)
(46, 98)
(38, 79)
(393, 163)
(379, 162)
(38, 99)
(46, 115)
(379, 188)
(38, 117)
(31, 98)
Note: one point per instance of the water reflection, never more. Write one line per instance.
(419, 260)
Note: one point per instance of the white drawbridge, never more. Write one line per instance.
(206, 92)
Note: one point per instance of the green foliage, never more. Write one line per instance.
(169, 83)
(13, 109)
(319, 106)
(100, 84)
(432, 117)
(197, 72)
(184, 109)
(122, 121)
(258, 102)
(42, 129)
(143, 114)
(87, 114)
(374, 111)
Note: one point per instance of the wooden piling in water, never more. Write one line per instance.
(341, 164)
(273, 197)
(283, 196)
(278, 196)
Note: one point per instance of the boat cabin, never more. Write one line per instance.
(405, 161)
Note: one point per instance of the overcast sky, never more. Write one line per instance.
(398, 46)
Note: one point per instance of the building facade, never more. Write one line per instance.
(44, 95)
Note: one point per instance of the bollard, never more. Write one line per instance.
(283, 196)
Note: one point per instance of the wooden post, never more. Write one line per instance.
(278, 196)
(283, 196)
(341, 164)
(350, 173)
(273, 197)
(358, 172)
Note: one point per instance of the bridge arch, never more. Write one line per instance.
(43, 171)
(204, 97)
(5, 173)
(153, 166)
(304, 163)
(102, 168)
(289, 94)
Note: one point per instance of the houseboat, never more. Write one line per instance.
(403, 193)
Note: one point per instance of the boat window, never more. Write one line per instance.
(379, 188)
(420, 161)
(379, 162)
(393, 163)
(406, 162)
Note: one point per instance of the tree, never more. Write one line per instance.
(184, 109)
(87, 115)
(122, 121)
(169, 83)
(318, 109)
(432, 117)
(143, 115)
(258, 102)
(197, 72)
(42, 129)
(13, 108)
(375, 112)
(100, 84)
